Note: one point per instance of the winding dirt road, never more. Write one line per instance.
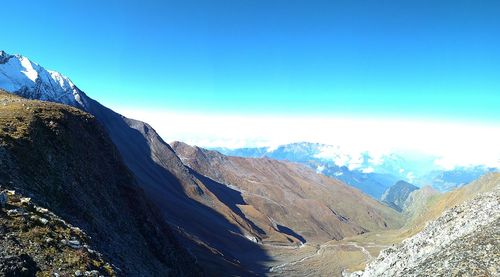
(319, 252)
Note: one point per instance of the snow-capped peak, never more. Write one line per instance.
(21, 76)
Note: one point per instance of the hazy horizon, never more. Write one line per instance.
(391, 76)
(452, 143)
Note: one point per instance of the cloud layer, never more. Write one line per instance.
(455, 143)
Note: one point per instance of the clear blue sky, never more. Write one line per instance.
(407, 58)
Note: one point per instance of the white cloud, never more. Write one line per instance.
(349, 155)
(410, 176)
(455, 143)
(356, 161)
(376, 158)
(320, 168)
(368, 170)
(272, 148)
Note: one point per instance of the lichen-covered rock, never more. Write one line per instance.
(28, 244)
(17, 265)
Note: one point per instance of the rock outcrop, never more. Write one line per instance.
(35, 241)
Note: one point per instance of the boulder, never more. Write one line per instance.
(22, 265)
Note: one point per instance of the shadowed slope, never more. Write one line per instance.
(186, 202)
(221, 224)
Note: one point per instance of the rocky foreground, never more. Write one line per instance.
(34, 241)
(463, 241)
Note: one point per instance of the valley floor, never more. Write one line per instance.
(331, 258)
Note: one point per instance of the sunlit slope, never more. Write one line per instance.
(436, 204)
(291, 197)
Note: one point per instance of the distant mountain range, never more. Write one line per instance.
(365, 171)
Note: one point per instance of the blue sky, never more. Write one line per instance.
(432, 59)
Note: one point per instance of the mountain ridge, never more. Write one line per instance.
(214, 232)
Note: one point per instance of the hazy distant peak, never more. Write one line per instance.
(396, 195)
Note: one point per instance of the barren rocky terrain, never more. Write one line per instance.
(34, 241)
(463, 241)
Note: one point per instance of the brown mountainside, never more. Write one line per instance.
(289, 198)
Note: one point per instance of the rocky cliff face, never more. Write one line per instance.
(463, 241)
(61, 158)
